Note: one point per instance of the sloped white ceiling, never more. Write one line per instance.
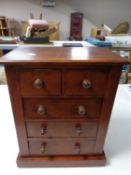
(110, 12)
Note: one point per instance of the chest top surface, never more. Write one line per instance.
(72, 55)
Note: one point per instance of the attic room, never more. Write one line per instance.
(65, 86)
(16, 14)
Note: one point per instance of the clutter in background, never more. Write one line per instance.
(104, 30)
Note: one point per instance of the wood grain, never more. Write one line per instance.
(72, 55)
(62, 100)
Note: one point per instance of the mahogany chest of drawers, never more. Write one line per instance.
(62, 100)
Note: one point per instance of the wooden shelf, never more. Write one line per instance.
(4, 30)
(76, 26)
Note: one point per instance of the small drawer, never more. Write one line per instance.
(61, 146)
(61, 129)
(64, 108)
(40, 82)
(85, 82)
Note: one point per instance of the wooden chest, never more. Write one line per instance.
(62, 100)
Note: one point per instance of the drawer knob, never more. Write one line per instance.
(81, 110)
(43, 148)
(78, 129)
(86, 84)
(41, 110)
(77, 148)
(38, 83)
(43, 130)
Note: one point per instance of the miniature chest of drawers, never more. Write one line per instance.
(62, 100)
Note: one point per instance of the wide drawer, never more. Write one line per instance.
(61, 146)
(40, 82)
(85, 82)
(52, 129)
(62, 108)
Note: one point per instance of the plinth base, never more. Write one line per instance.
(62, 161)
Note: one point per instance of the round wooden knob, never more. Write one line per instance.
(38, 83)
(43, 148)
(41, 110)
(78, 129)
(43, 130)
(81, 110)
(86, 84)
(77, 148)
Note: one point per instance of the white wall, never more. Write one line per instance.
(20, 10)
(110, 12)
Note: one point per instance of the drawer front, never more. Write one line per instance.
(40, 82)
(61, 129)
(90, 82)
(61, 146)
(66, 108)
